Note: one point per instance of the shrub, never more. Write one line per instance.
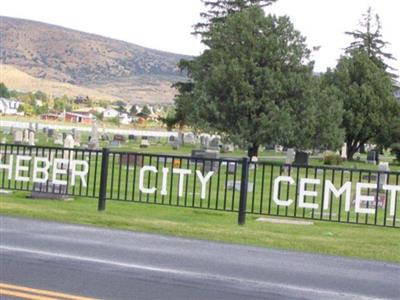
(331, 158)
(396, 150)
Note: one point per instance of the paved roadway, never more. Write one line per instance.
(111, 264)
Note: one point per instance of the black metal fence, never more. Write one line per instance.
(236, 185)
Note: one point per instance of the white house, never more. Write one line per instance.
(9, 106)
(110, 113)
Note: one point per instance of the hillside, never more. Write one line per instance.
(86, 60)
(21, 81)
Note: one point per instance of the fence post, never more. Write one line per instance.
(243, 191)
(103, 179)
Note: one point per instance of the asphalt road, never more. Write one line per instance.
(111, 264)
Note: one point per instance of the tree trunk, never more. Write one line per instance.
(252, 150)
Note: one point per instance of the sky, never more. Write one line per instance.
(167, 24)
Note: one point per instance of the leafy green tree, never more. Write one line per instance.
(27, 109)
(41, 96)
(253, 84)
(369, 39)
(367, 94)
(328, 133)
(4, 92)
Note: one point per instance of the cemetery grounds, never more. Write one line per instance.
(363, 241)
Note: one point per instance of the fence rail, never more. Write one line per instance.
(264, 188)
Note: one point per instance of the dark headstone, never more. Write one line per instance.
(371, 156)
(301, 158)
(131, 160)
(131, 137)
(49, 190)
(119, 137)
(50, 132)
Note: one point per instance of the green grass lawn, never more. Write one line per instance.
(369, 242)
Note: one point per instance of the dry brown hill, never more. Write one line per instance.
(84, 60)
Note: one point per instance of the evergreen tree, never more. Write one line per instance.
(254, 83)
(368, 101)
(369, 39)
(4, 92)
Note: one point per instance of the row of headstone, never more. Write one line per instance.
(26, 137)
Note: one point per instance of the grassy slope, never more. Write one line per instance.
(21, 81)
(323, 237)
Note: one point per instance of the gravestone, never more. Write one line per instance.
(18, 137)
(231, 166)
(144, 143)
(301, 158)
(206, 157)
(188, 138)
(58, 140)
(44, 130)
(94, 137)
(278, 148)
(172, 140)
(236, 185)
(31, 126)
(64, 135)
(205, 140)
(214, 143)
(131, 160)
(290, 156)
(12, 130)
(131, 137)
(383, 167)
(69, 143)
(371, 156)
(31, 138)
(25, 138)
(50, 132)
(49, 190)
(119, 137)
(227, 148)
(37, 126)
(115, 143)
(269, 147)
(343, 152)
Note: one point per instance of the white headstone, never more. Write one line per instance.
(188, 138)
(18, 136)
(31, 139)
(69, 143)
(25, 139)
(343, 152)
(58, 139)
(383, 167)
(290, 155)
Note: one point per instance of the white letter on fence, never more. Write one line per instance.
(277, 181)
(82, 174)
(164, 181)
(303, 192)
(182, 173)
(329, 187)
(9, 166)
(393, 191)
(203, 181)
(141, 179)
(57, 171)
(366, 198)
(44, 170)
(20, 168)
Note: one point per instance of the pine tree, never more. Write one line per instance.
(369, 39)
